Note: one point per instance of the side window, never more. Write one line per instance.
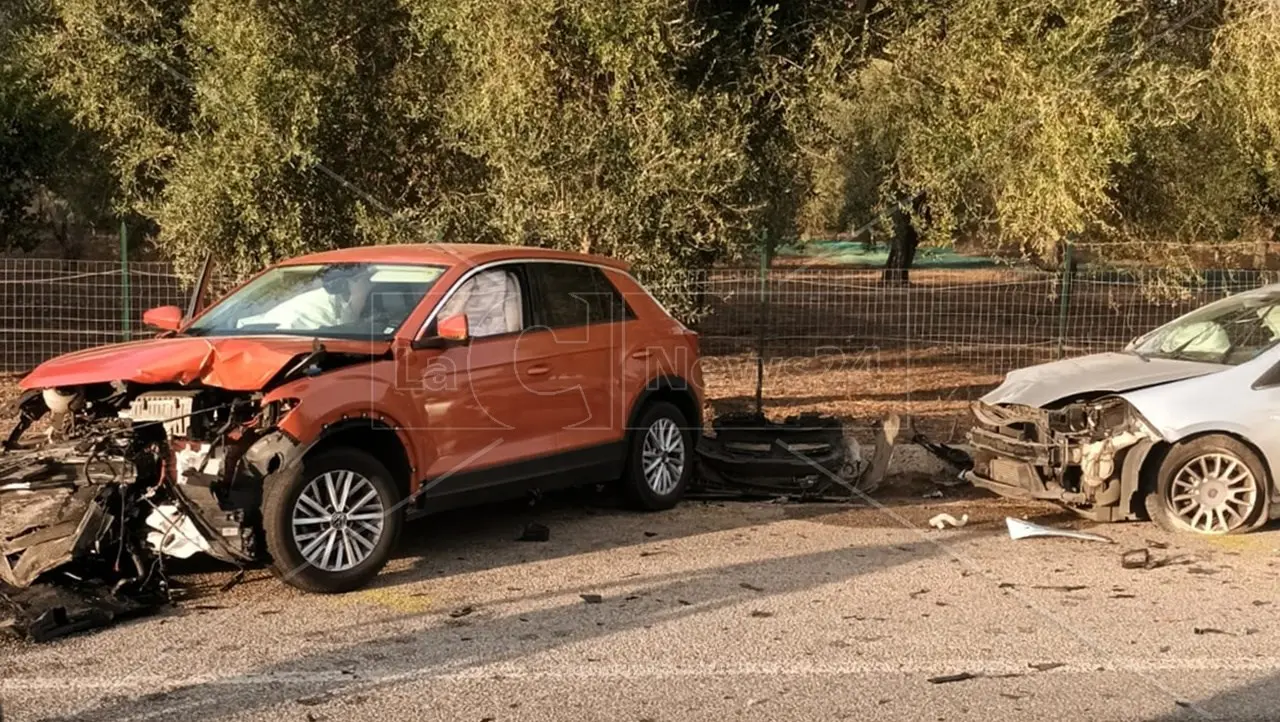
(575, 295)
(491, 301)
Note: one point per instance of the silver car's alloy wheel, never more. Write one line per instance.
(663, 456)
(1213, 493)
(338, 520)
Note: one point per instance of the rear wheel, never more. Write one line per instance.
(659, 458)
(332, 521)
(1210, 485)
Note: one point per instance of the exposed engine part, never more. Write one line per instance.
(60, 402)
(173, 409)
(175, 534)
(118, 481)
(1086, 455)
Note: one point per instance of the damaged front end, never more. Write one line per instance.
(99, 483)
(1086, 455)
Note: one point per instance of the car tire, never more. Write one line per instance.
(313, 544)
(661, 441)
(1212, 485)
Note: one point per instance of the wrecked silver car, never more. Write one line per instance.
(1180, 427)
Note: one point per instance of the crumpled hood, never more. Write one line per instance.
(235, 363)
(1106, 372)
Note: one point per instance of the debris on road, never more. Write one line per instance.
(958, 677)
(535, 532)
(957, 459)
(942, 521)
(1020, 529)
(1211, 630)
(1144, 559)
(461, 612)
(803, 457)
(591, 598)
(935, 494)
(1046, 666)
(46, 611)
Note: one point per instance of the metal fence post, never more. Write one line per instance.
(126, 297)
(762, 321)
(1064, 298)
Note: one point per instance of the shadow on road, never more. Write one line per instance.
(482, 539)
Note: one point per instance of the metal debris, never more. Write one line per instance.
(1019, 529)
(942, 521)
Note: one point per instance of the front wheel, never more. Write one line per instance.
(1211, 485)
(659, 458)
(332, 521)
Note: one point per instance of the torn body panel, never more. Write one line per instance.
(1085, 455)
(120, 477)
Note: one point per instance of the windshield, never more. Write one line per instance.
(1230, 331)
(337, 300)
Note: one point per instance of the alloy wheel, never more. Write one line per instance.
(663, 456)
(1213, 493)
(338, 520)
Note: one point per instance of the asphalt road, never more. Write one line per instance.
(712, 611)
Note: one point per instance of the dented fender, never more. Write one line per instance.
(350, 393)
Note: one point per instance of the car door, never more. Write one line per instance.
(476, 413)
(584, 317)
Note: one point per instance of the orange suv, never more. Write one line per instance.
(298, 419)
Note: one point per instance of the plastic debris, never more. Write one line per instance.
(1019, 529)
(942, 521)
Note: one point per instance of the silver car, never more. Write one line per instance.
(1182, 426)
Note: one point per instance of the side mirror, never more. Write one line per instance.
(449, 331)
(454, 329)
(165, 318)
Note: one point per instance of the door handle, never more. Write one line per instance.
(641, 354)
(538, 370)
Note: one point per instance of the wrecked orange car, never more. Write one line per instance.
(297, 421)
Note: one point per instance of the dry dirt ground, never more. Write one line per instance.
(858, 390)
(711, 611)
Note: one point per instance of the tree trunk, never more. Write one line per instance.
(902, 248)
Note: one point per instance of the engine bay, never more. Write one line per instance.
(100, 484)
(1085, 454)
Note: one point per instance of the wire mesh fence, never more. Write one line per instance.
(832, 339)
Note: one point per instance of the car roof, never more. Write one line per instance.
(450, 254)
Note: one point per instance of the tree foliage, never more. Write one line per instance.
(671, 133)
(1027, 123)
(262, 130)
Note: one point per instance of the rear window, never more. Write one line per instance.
(571, 294)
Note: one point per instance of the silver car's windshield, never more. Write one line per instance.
(337, 300)
(1230, 331)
